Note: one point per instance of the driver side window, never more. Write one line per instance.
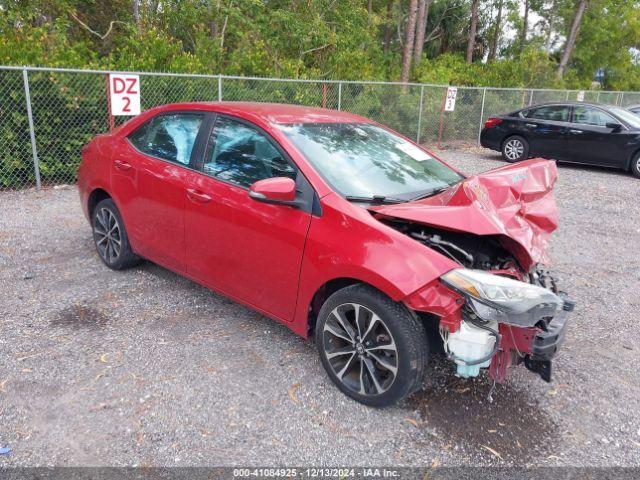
(591, 116)
(240, 154)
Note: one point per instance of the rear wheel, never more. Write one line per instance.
(635, 165)
(110, 237)
(515, 149)
(372, 348)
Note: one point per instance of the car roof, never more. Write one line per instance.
(570, 103)
(278, 113)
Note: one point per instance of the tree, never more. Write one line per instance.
(409, 41)
(571, 38)
(525, 25)
(388, 28)
(471, 44)
(496, 33)
(421, 27)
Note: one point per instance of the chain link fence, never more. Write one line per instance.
(47, 115)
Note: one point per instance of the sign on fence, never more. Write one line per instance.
(580, 96)
(450, 103)
(124, 94)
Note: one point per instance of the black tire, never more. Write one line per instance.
(515, 149)
(635, 165)
(368, 373)
(110, 237)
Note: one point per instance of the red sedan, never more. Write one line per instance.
(340, 229)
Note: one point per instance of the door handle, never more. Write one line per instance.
(197, 196)
(574, 131)
(531, 125)
(122, 165)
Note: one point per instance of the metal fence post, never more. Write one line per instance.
(340, 96)
(621, 98)
(531, 98)
(484, 94)
(420, 114)
(220, 87)
(32, 133)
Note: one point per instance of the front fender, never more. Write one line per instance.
(347, 242)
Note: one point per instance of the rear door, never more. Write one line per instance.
(149, 177)
(246, 249)
(590, 141)
(545, 127)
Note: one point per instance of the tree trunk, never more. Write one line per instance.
(550, 24)
(136, 12)
(496, 33)
(571, 39)
(407, 52)
(421, 27)
(388, 31)
(471, 44)
(525, 25)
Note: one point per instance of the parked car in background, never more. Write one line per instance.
(634, 108)
(340, 229)
(574, 132)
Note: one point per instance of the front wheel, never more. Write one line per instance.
(372, 348)
(515, 149)
(635, 165)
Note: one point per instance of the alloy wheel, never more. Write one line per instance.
(360, 349)
(514, 149)
(106, 232)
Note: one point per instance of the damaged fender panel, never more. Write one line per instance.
(514, 203)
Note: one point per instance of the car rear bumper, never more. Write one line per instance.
(490, 138)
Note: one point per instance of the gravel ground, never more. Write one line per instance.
(143, 367)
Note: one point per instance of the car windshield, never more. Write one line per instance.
(632, 119)
(364, 160)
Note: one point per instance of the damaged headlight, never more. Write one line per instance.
(503, 299)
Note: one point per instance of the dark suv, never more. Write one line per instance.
(570, 132)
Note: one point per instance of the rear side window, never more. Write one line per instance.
(592, 116)
(169, 137)
(558, 113)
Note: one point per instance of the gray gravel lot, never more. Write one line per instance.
(146, 368)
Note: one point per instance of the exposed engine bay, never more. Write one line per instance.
(467, 249)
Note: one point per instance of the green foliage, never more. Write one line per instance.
(532, 69)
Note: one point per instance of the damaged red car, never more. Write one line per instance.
(342, 230)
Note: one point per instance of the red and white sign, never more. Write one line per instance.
(124, 94)
(580, 96)
(450, 102)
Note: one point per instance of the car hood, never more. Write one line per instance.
(514, 203)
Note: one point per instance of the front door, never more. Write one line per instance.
(589, 140)
(248, 250)
(149, 174)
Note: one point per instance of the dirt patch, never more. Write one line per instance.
(511, 426)
(80, 316)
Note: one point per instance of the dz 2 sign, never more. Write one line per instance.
(450, 101)
(124, 94)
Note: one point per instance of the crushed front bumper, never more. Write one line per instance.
(545, 345)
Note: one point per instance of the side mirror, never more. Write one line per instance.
(614, 126)
(280, 190)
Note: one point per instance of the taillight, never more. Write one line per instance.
(492, 122)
